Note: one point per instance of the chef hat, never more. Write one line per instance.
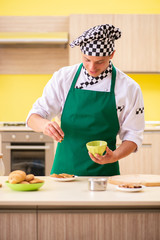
(98, 41)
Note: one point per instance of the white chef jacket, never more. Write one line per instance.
(127, 93)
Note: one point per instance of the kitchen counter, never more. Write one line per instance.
(76, 194)
(69, 211)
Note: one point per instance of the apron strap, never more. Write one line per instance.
(76, 76)
(113, 79)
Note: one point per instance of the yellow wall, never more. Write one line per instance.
(18, 92)
(150, 85)
(53, 7)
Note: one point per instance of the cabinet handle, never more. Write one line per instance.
(41, 136)
(27, 136)
(144, 145)
(13, 136)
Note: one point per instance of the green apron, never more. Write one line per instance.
(87, 116)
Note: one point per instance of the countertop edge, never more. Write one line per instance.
(72, 205)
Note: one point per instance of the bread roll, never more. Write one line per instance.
(16, 176)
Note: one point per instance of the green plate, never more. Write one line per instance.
(24, 187)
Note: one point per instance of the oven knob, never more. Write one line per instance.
(27, 136)
(13, 136)
(41, 136)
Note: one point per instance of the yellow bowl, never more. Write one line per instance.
(96, 147)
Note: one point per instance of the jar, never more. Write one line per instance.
(2, 168)
(97, 183)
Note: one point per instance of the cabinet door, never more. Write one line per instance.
(136, 50)
(146, 159)
(18, 225)
(98, 225)
(33, 58)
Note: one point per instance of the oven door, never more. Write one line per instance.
(28, 157)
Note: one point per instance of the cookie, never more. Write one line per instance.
(29, 177)
(24, 182)
(36, 180)
(62, 175)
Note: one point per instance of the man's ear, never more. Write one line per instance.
(111, 56)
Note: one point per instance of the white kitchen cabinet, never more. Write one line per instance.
(146, 159)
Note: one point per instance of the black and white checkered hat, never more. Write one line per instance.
(98, 41)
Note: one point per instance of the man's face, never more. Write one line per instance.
(95, 65)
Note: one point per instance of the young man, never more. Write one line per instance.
(95, 101)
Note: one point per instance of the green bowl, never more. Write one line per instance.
(24, 187)
(96, 147)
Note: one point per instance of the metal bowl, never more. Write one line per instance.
(97, 184)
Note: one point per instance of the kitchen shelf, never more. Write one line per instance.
(58, 38)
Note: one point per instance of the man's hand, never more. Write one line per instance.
(52, 129)
(49, 128)
(109, 157)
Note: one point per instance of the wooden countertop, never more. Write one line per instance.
(76, 194)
